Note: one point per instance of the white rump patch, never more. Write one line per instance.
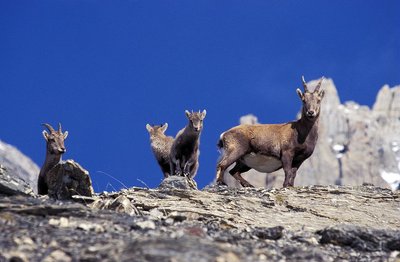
(262, 163)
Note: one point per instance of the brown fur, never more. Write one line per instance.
(285, 145)
(184, 158)
(161, 146)
(54, 150)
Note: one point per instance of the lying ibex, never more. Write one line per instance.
(54, 150)
(184, 158)
(267, 148)
(161, 146)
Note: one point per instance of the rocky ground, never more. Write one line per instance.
(176, 223)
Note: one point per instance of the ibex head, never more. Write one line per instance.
(156, 129)
(55, 139)
(196, 119)
(311, 100)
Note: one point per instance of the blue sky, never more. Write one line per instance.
(106, 68)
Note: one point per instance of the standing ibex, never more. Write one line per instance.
(54, 150)
(161, 146)
(267, 148)
(184, 158)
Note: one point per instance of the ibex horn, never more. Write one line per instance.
(304, 84)
(59, 128)
(49, 127)
(319, 84)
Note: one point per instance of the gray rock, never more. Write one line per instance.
(360, 238)
(57, 255)
(11, 184)
(249, 119)
(177, 182)
(67, 179)
(19, 165)
(120, 204)
(273, 233)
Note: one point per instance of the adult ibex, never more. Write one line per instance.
(54, 150)
(269, 147)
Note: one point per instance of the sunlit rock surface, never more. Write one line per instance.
(314, 223)
(19, 165)
(10, 184)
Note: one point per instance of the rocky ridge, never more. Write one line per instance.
(313, 223)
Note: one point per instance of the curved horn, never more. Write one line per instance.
(49, 127)
(319, 85)
(59, 128)
(304, 84)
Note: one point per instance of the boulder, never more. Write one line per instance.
(177, 182)
(67, 179)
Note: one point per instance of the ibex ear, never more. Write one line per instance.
(187, 114)
(203, 114)
(148, 127)
(321, 93)
(65, 134)
(45, 135)
(164, 127)
(300, 93)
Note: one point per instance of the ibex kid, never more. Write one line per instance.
(184, 158)
(161, 146)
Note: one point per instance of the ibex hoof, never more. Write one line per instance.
(221, 183)
(287, 186)
(246, 184)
